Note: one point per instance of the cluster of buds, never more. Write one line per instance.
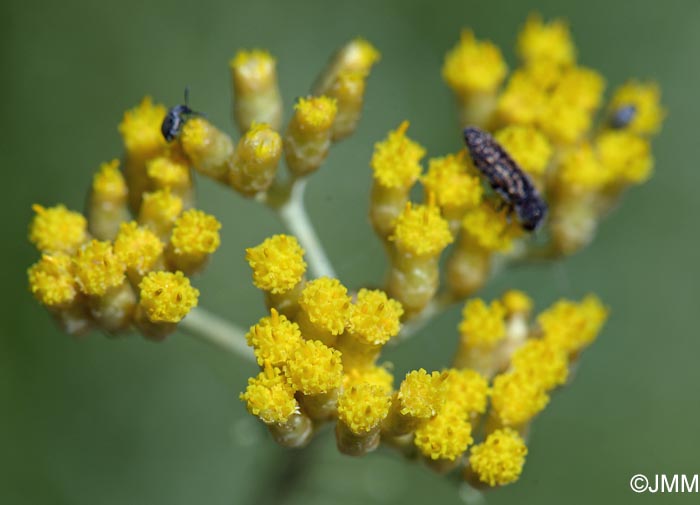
(319, 352)
(126, 264)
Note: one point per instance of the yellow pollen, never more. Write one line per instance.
(396, 160)
(259, 146)
(315, 114)
(196, 135)
(167, 297)
(543, 362)
(473, 66)
(421, 231)
(499, 460)
(421, 394)
(97, 268)
(522, 101)
(528, 147)
(57, 229)
(517, 397)
(445, 436)
(327, 304)
(467, 389)
(160, 207)
(269, 397)
(546, 41)
(138, 248)
(454, 188)
(108, 184)
(482, 325)
(375, 318)
(562, 122)
(314, 368)
(168, 172)
(52, 281)
(489, 228)
(581, 170)
(196, 234)
(278, 263)
(572, 326)
(140, 129)
(375, 375)
(274, 339)
(362, 407)
(626, 156)
(581, 87)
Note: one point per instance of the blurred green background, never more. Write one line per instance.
(116, 422)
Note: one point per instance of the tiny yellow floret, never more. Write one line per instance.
(482, 325)
(473, 66)
(499, 460)
(375, 318)
(517, 302)
(542, 361)
(168, 172)
(52, 281)
(445, 436)
(646, 99)
(467, 389)
(562, 122)
(489, 229)
(167, 297)
(517, 397)
(57, 229)
(196, 234)
(269, 397)
(140, 129)
(314, 368)
(315, 114)
(396, 160)
(252, 70)
(528, 146)
(522, 100)
(421, 230)
(626, 156)
(327, 304)
(375, 375)
(98, 268)
(454, 188)
(108, 183)
(160, 208)
(581, 87)
(278, 263)
(421, 394)
(139, 248)
(196, 136)
(274, 339)
(580, 169)
(362, 407)
(546, 41)
(572, 326)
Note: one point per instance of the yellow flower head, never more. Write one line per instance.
(269, 396)
(451, 184)
(421, 230)
(489, 229)
(375, 375)
(196, 234)
(167, 297)
(327, 304)
(52, 281)
(375, 318)
(581, 87)
(315, 114)
(516, 302)
(527, 146)
(626, 156)
(252, 70)
(562, 122)
(467, 389)
(196, 137)
(140, 129)
(546, 41)
(362, 407)
(278, 263)
(517, 397)
(646, 99)
(499, 460)
(168, 172)
(421, 394)
(482, 325)
(108, 183)
(581, 170)
(522, 100)
(396, 160)
(57, 229)
(473, 66)
(445, 436)
(572, 326)
(274, 339)
(258, 148)
(358, 55)
(314, 368)
(161, 207)
(543, 362)
(138, 248)
(98, 268)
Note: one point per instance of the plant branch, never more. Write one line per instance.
(218, 332)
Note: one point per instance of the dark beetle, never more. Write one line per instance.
(623, 116)
(176, 118)
(506, 178)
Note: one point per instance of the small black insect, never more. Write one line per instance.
(623, 116)
(506, 178)
(176, 118)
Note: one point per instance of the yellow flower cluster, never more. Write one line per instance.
(126, 263)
